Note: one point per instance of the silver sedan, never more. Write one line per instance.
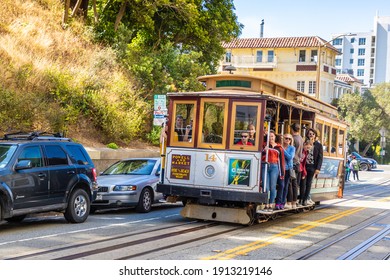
(128, 183)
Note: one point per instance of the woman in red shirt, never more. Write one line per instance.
(273, 159)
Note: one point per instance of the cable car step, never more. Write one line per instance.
(273, 211)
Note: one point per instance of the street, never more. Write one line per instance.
(356, 226)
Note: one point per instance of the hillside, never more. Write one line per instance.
(56, 79)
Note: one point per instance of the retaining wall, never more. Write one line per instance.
(104, 157)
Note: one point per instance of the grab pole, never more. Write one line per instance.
(266, 155)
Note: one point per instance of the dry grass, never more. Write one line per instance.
(33, 44)
(28, 41)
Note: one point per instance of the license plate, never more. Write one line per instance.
(99, 197)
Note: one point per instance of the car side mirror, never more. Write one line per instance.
(23, 164)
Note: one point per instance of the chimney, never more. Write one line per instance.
(261, 28)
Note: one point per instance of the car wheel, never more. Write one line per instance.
(364, 167)
(78, 207)
(16, 219)
(145, 201)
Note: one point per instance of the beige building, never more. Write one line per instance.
(291, 61)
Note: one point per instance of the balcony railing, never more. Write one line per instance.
(251, 62)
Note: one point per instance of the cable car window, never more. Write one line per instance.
(341, 140)
(182, 132)
(325, 139)
(244, 126)
(333, 141)
(319, 127)
(213, 117)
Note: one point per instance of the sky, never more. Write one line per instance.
(294, 18)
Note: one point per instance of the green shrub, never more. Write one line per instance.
(154, 135)
(112, 146)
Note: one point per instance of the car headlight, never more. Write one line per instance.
(124, 188)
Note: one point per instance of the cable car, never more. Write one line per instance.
(205, 163)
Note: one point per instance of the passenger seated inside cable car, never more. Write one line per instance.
(244, 141)
(252, 133)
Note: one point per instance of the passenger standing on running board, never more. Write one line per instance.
(313, 164)
(289, 153)
(307, 146)
(298, 144)
(275, 168)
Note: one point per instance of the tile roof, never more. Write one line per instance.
(281, 42)
(347, 78)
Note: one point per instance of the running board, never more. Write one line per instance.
(274, 211)
(220, 214)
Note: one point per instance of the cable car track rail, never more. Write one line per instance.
(360, 248)
(109, 248)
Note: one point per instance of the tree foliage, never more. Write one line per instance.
(366, 113)
(166, 43)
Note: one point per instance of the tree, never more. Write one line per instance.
(180, 21)
(183, 28)
(366, 114)
(381, 93)
(78, 7)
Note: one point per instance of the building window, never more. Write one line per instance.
(360, 72)
(312, 87)
(362, 41)
(228, 57)
(270, 56)
(352, 40)
(259, 56)
(352, 50)
(361, 51)
(301, 86)
(360, 62)
(351, 61)
(338, 62)
(313, 55)
(337, 42)
(302, 56)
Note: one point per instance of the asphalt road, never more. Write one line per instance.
(163, 234)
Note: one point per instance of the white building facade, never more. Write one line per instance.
(366, 55)
(382, 46)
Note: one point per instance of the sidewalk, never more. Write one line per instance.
(370, 176)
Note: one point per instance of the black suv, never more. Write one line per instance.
(42, 173)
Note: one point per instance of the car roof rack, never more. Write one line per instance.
(35, 136)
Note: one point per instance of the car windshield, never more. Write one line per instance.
(131, 167)
(6, 152)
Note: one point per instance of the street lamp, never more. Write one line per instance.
(318, 78)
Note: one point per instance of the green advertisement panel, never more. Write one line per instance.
(239, 172)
